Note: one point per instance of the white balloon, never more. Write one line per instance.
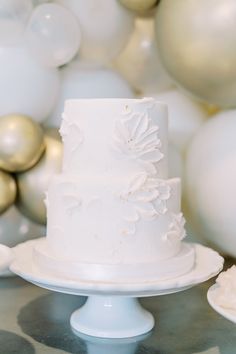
(210, 181)
(105, 27)
(85, 81)
(26, 87)
(139, 62)
(13, 17)
(185, 117)
(53, 34)
(15, 228)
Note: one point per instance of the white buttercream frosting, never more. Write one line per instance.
(113, 208)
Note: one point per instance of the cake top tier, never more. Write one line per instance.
(115, 136)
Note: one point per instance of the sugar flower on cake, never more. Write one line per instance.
(72, 130)
(226, 292)
(176, 230)
(146, 197)
(136, 137)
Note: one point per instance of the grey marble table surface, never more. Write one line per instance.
(34, 321)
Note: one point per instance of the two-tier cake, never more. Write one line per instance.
(112, 214)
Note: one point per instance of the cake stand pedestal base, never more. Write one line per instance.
(112, 317)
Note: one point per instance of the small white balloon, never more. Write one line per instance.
(210, 181)
(53, 34)
(105, 27)
(13, 17)
(139, 62)
(81, 80)
(185, 117)
(27, 87)
(15, 228)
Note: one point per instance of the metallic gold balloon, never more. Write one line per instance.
(7, 191)
(21, 142)
(196, 40)
(140, 62)
(139, 5)
(33, 184)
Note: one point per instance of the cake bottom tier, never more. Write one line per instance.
(136, 272)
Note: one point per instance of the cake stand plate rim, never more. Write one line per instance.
(226, 313)
(23, 267)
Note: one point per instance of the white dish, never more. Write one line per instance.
(212, 293)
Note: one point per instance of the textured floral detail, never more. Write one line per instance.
(226, 294)
(176, 230)
(94, 201)
(129, 230)
(136, 137)
(146, 198)
(71, 200)
(72, 130)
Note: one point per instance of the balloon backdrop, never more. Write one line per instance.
(15, 228)
(33, 184)
(210, 181)
(13, 17)
(7, 191)
(53, 34)
(139, 62)
(27, 87)
(105, 27)
(196, 39)
(21, 142)
(80, 80)
(184, 116)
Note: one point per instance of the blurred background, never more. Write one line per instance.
(182, 52)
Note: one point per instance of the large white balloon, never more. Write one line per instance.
(26, 86)
(139, 62)
(210, 181)
(13, 17)
(85, 81)
(196, 39)
(185, 117)
(105, 27)
(15, 228)
(53, 34)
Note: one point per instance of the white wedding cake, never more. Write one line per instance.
(112, 214)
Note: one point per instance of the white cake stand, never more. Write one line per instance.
(112, 309)
(212, 293)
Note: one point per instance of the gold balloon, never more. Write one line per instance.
(21, 142)
(196, 40)
(7, 191)
(139, 5)
(33, 184)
